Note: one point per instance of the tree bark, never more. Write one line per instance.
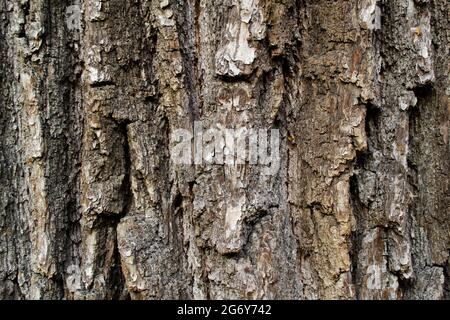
(92, 205)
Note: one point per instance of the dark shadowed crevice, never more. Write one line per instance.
(125, 189)
(355, 239)
(176, 211)
(358, 181)
(187, 15)
(118, 285)
(115, 286)
(187, 29)
(101, 84)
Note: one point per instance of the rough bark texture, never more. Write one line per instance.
(92, 207)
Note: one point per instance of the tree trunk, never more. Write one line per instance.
(93, 205)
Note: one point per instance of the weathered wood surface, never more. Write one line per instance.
(92, 207)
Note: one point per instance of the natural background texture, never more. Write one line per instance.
(91, 207)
